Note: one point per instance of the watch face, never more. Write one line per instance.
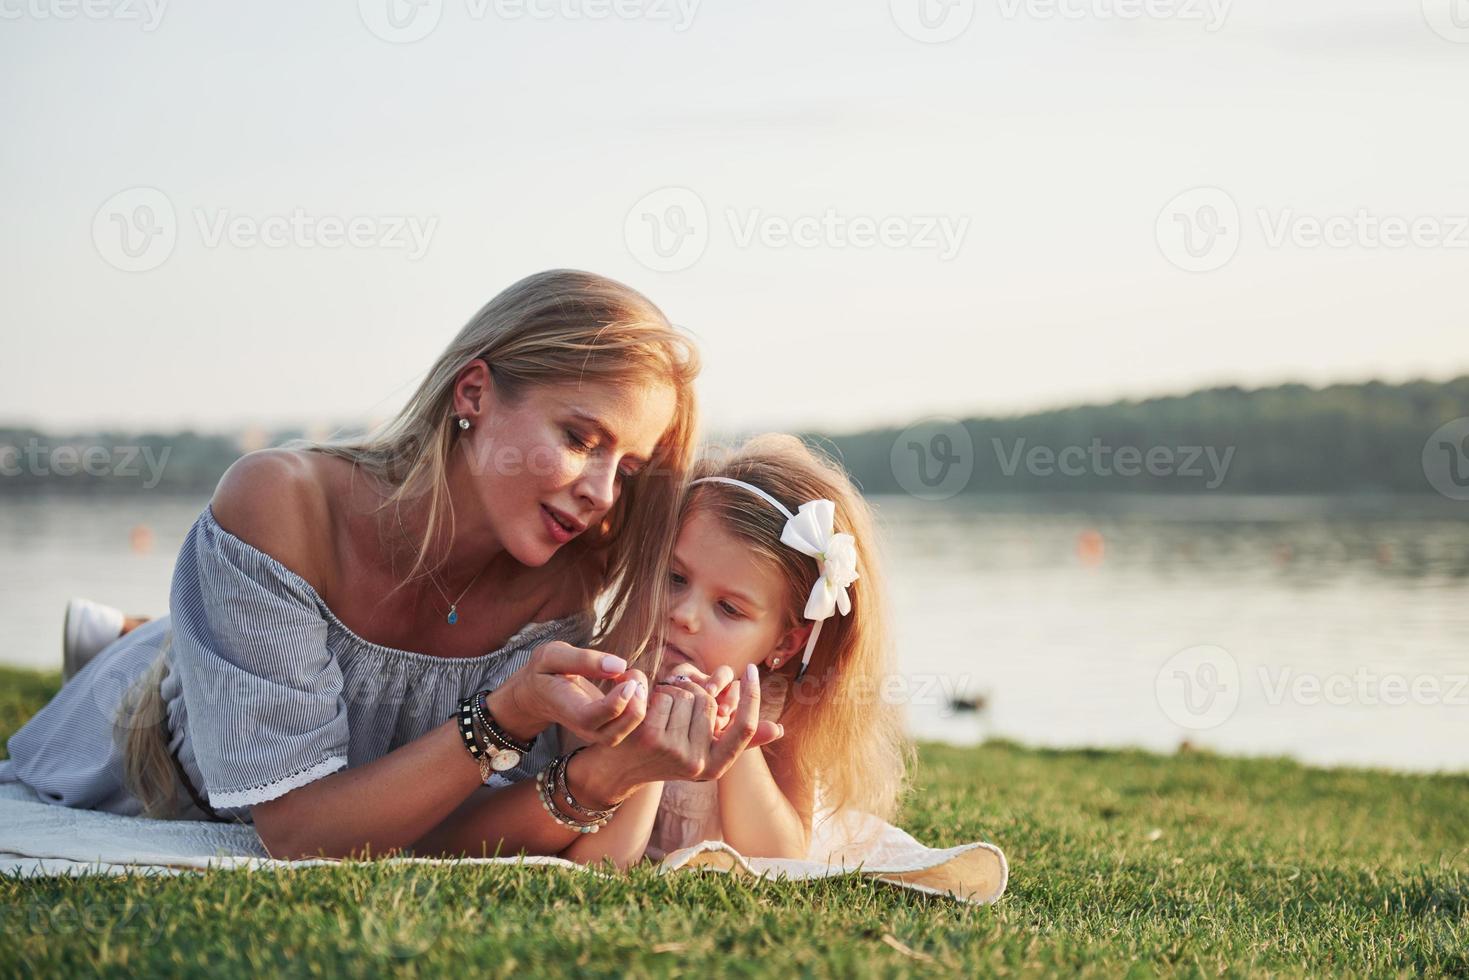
(504, 759)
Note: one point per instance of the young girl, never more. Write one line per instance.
(774, 575)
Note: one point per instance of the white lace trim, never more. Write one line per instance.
(260, 794)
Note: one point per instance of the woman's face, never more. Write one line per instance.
(726, 607)
(551, 465)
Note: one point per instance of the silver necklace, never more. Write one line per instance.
(453, 616)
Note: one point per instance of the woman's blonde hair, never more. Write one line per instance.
(556, 327)
(841, 735)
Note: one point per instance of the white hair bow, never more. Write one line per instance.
(810, 531)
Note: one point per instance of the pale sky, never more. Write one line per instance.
(1048, 145)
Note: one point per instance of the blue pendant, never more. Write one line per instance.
(453, 616)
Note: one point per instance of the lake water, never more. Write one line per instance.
(1330, 630)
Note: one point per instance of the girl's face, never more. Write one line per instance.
(726, 607)
(552, 465)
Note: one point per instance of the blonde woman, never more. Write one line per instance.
(337, 608)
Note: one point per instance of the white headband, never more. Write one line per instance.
(809, 531)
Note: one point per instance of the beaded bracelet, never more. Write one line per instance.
(546, 782)
(563, 787)
(492, 730)
(492, 747)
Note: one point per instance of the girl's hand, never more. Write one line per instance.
(720, 685)
(557, 685)
(675, 741)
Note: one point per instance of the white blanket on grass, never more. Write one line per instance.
(37, 838)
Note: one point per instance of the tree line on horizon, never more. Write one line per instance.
(1367, 437)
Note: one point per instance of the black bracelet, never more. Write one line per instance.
(492, 729)
(472, 741)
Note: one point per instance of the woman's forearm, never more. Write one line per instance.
(513, 819)
(757, 818)
(376, 808)
(497, 822)
(625, 837)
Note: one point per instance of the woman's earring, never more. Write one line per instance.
(464, 423)
(775, 662)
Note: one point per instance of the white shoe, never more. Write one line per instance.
(90, 627)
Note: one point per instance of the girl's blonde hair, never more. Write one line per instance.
(556, 327)
(841, 735)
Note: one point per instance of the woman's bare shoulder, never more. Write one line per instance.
(279, 501)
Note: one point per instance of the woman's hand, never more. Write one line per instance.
(720, 686)
(676, 740)
(557, 685)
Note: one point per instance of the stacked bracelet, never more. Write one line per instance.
(508, 750)
(551, 784)
(489, 744)
(472, 740)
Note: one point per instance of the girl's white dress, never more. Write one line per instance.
(687, 834)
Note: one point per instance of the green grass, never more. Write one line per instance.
(1122, 863)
